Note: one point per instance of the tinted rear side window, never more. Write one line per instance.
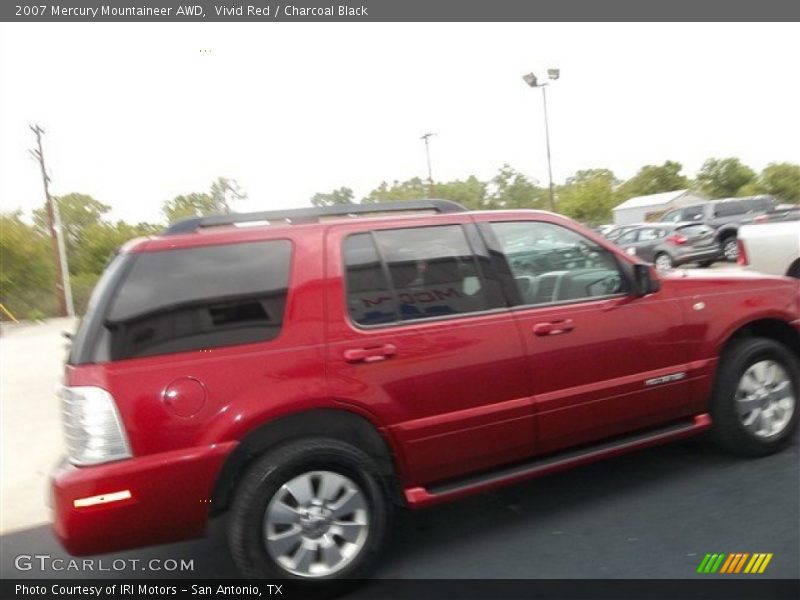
(196, 298)
(416, 273)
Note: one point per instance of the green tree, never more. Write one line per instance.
(781, 180)
(470, 193)
(724, 177)
(588, 196)
(653, 179)
(222, 194)
(412, 189)
(189, 205)
(27, 273)
(511, 189)
(78, 213)
(344, 195)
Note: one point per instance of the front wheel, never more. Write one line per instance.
(314, 509)
(754, 405)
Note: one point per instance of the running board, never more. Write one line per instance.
(418, 497)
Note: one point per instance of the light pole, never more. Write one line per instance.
(533, 81)
(426, 137)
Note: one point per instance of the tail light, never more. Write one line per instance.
(761, 219)
(741, 258)
(92, 426)
(677, 239)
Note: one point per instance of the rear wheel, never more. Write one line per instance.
(729, 248)
(754, 406)
(663, 261)
(312, 510)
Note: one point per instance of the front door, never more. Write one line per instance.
(602, 361)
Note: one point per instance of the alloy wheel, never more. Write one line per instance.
(316, 524)
(765, 399)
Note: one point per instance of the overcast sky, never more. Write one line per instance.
(136, 114)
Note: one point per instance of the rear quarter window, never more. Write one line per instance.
(197, 298)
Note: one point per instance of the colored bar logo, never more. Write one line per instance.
(738, 562)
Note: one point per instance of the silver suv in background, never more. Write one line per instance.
(669, 245)
(725, 217)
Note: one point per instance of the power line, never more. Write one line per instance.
(63, 289)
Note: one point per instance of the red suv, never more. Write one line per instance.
(307, 373)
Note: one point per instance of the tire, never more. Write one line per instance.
(263, 488)
(730, 415)
(794, 270)
(704, 264)
(663, 262)
(730, 251)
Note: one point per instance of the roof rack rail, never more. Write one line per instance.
(312, 214)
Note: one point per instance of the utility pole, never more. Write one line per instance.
(63, 289)
(426, 137)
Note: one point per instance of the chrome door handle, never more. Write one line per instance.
(369, 355)
(554, 327)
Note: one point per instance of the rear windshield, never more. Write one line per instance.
(190, 299)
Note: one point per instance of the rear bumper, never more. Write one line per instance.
(136, 502)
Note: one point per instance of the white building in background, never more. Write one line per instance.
(650, 208)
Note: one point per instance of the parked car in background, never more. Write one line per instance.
(725, 217)
(669, 245)
(772, 248)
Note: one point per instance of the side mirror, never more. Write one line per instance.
(645, 280)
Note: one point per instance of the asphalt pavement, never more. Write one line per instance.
(653, 514)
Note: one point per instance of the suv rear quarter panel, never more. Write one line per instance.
(245, 384)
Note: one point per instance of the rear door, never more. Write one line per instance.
(648, 241)
(421, 339)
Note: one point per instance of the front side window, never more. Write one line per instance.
(729, 209)
(551, 263)
(197, 298)
(415, 273)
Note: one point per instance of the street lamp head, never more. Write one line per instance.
(530, 79)
(553, 73)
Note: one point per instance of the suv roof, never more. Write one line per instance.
(313, 215)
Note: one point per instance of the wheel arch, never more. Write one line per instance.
(726, 232)
(794, 269)
(771, 328)
(336, 423)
